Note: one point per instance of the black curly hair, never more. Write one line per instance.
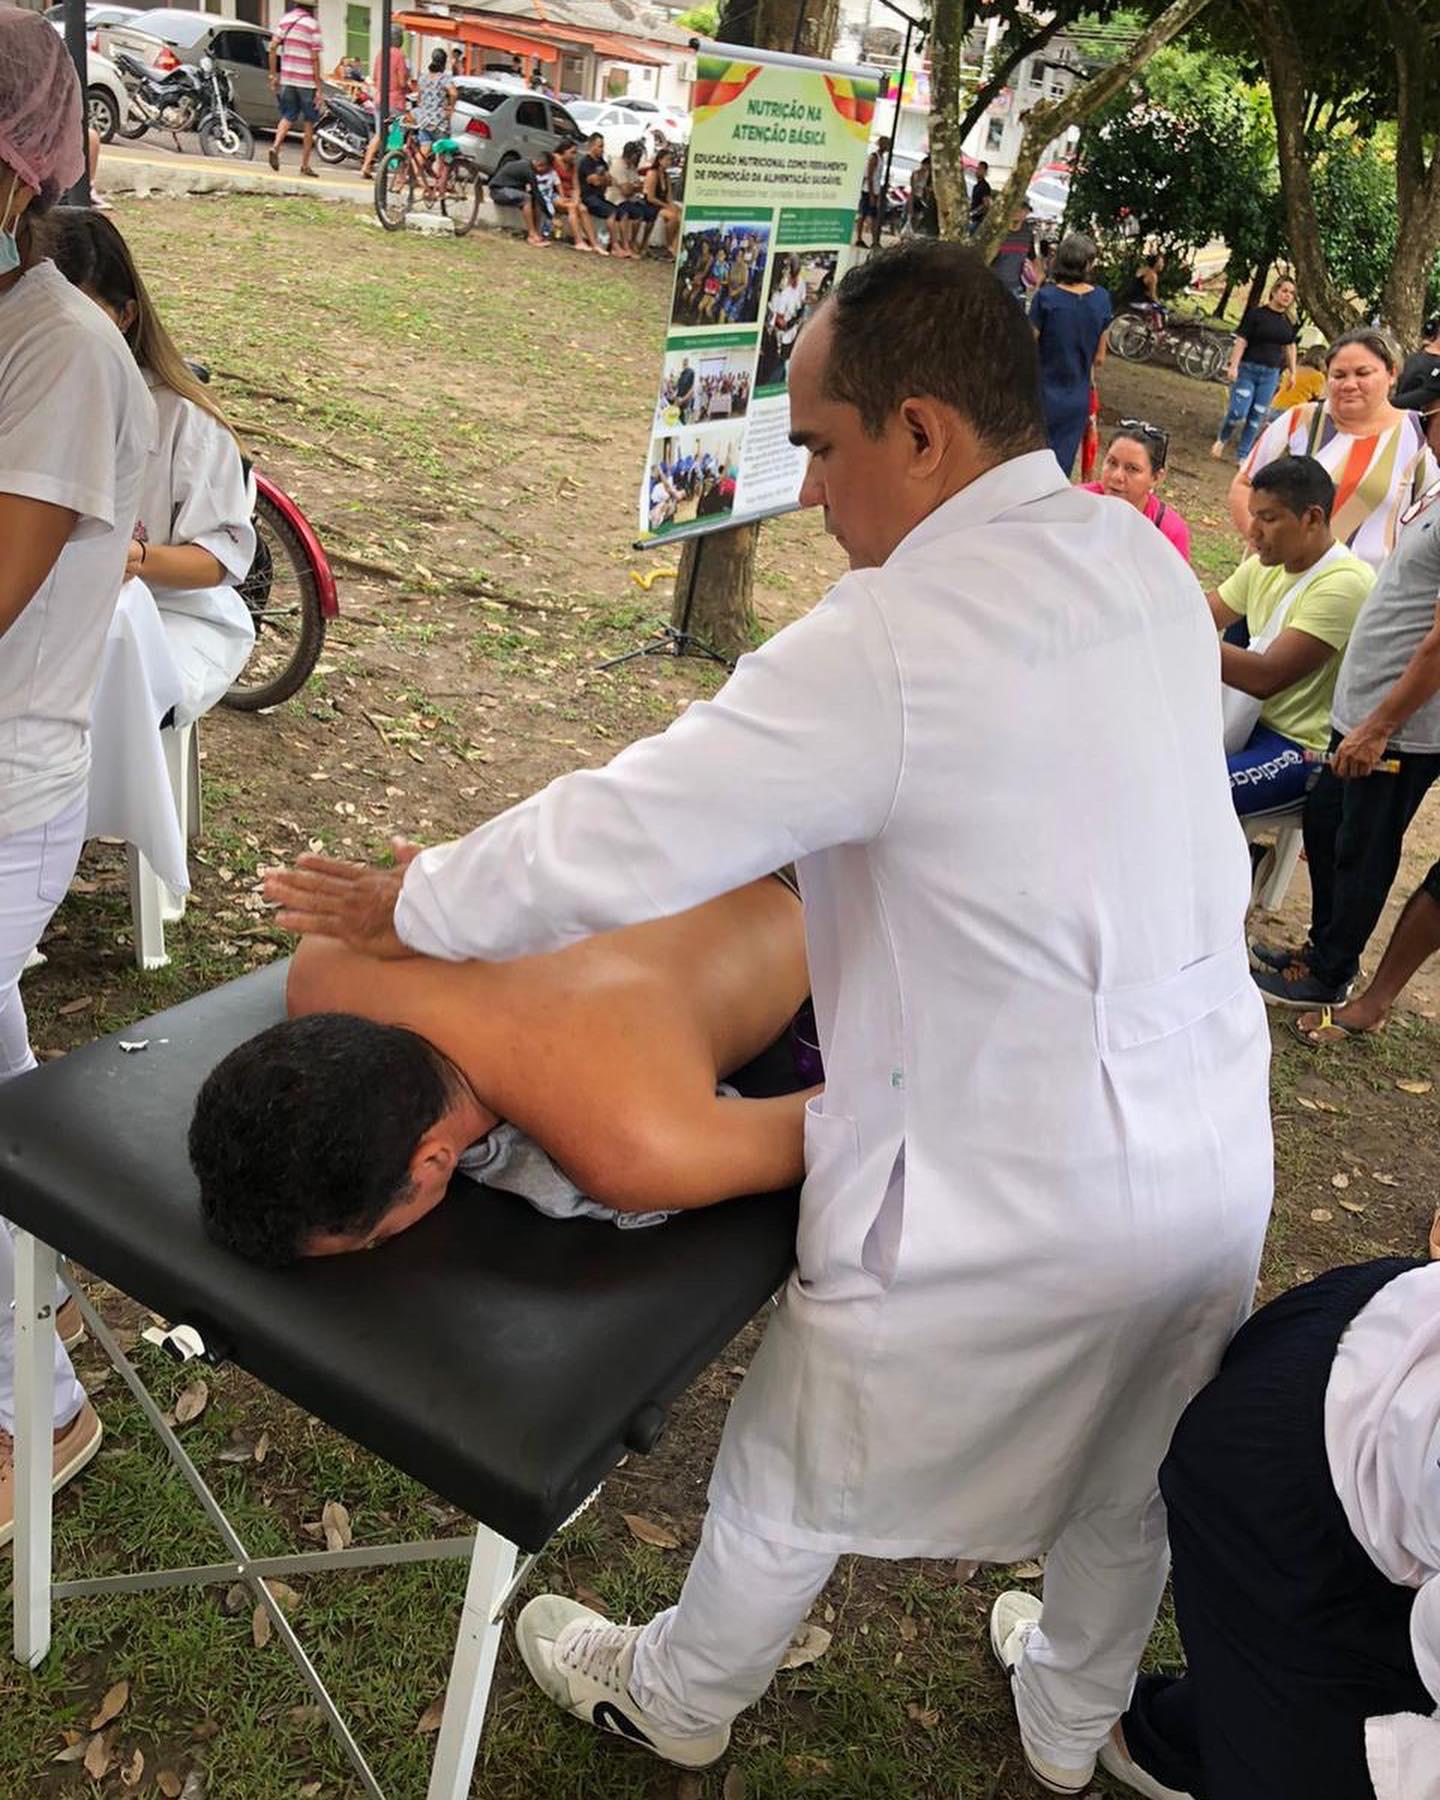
(309, 1128)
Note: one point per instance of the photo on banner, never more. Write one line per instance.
(777, 155)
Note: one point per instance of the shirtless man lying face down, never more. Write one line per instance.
(590, 1072)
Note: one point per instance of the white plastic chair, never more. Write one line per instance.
(1274, 874)
(153, 905)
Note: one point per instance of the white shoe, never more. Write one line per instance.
(1114, 1761)
(582, 1662)
(1012, 1619)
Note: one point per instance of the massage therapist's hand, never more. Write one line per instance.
(1357, 755)
(326, 897)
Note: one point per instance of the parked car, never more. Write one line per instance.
(170, 36)
(107, 102)
(495, 125)
(95, 18)
(1048, 194)
(674, 121)
(618, 125)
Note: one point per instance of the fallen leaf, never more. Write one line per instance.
(808, 1645)
(204, 1731)
(1375, 1175)
(1339, 1180)
(260, 1627)
(336, 1521)
(909, 1630)
(99, 1757)
(829, 1615)
(192, 1403)
(309, 1790)
(283, 1595)
(305, 1716)
(431, 1718)
(649, 1532)
(72, 1751)
(194, 1788)
(733, 1786)
(1353, 1206)
(1321, 1106)
(116, 1700)
(1322, 1215)
(169, 1784)
(133, 1772)
(588, 1597)
(928, 1716)
(76, 1006)
(1405, 1087)
(262, 1446)
(237, 1597)
(805, 1767)
(1028, 1571)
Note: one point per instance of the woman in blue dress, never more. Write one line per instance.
(1070, 315)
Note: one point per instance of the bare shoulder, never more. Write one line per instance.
(327, 976)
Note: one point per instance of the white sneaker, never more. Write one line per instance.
(1114, 1761)
(582, 1662)
(1012, 1619)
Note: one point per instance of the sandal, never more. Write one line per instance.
(1327, 1029)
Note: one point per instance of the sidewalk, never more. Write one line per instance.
(144, 172)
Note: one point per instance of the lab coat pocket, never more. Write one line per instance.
(60, 847)
(834, 1220)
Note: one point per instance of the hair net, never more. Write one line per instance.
(40, 116)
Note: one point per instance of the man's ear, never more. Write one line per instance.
(930, 428)
(432, 1162)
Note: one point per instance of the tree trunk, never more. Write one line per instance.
(718, 568)
(1285, 66)
(1258, 280)
(1064, 14)
(1231, 282)
(947, 139)
(1045, 122)
(1417, 186)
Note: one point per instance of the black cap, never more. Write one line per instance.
(1418, 386)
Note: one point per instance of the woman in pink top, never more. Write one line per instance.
(1133, 469)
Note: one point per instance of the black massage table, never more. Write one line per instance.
(505, 1360)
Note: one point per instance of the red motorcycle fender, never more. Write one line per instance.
(315, 551)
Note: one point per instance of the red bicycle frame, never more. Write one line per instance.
(325, 590)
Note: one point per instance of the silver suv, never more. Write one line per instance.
(495, 125)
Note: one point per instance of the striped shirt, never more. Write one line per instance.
(300, 48)
(1375, 478)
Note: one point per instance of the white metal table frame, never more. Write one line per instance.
(494, 1575)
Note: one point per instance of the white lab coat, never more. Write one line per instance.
(195, 492)
(1039, 1177)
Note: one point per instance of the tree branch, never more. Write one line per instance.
(1046, 122)
(1064, 15)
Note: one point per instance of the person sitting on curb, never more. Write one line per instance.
(594, 179)
(1387, 705)
(1299, 595)
(518, 184)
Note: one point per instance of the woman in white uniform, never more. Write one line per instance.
(198, 541)
(76, 426)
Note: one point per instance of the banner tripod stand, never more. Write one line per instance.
(677, 640)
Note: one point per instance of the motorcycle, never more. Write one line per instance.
(185, 98)
(344, 130)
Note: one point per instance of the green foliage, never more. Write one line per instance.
(704, 21)
(1356, 215)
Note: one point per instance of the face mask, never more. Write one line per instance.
(9, 249)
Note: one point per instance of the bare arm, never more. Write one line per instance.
(174, 566)
(34, 533)
(697, 1157)
(1293, 655)
(1223, 615)
(1239, 503)
(1237, 356)
(1357, 754)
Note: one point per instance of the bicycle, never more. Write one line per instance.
(447, 180)
(1194, 348)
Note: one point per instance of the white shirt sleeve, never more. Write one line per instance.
(208, 488)
(67, 377)
(800, 751)
(1403, 1751)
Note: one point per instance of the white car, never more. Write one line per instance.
(1048, 196)
(674, 121)
(107, 105)
(618, 125)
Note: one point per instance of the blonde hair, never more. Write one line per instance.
(89, 251)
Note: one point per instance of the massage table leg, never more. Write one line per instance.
(492, 1567)
(34, 1437)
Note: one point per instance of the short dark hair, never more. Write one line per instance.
(1375, 342)
(437, 60)
(1075, 258)
(929, 318)
(1298, 483)
(309, 1128)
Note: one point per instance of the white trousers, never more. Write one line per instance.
(36, 867)
(707, 1658)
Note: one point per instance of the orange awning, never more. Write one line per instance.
(483, 37)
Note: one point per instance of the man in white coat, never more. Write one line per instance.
(1038, 1180)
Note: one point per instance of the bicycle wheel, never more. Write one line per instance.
(1194, 357)
(394, 189)
(1132, 338)
(289, 626)
(461, 201)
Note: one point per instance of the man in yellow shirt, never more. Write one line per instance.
(1298, 595)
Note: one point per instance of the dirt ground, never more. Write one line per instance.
(466, 424)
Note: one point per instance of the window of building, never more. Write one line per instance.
(357, 34)
(994, 134)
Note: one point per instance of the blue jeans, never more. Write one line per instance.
(1250, 396)
(1271, 771)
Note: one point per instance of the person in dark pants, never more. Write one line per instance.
(1304, 1525)
(1387, 704)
